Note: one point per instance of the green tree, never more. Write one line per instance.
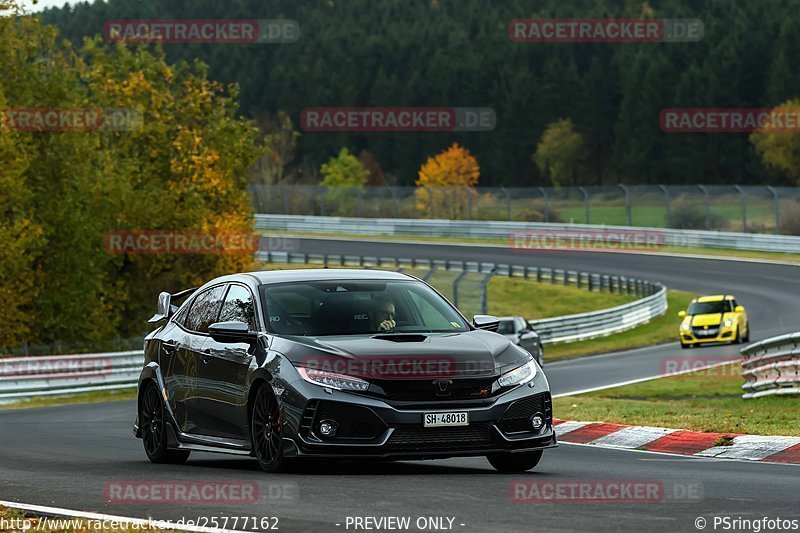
(344, 178)
(559, 152)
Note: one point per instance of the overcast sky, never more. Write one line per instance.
(41, 4)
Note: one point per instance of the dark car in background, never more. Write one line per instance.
(290, 364)
(518, 331)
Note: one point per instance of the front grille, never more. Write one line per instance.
(426, 390)
(355, 422)
(417, 438)
(517, 418)
(710, 332)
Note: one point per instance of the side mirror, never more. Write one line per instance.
(163, 309)
(681, 314)
(739, 309)
(229, 332)
(487, 322)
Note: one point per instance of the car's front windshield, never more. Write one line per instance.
(355, 307)
(707, 308)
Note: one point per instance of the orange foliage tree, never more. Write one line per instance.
(446, 183)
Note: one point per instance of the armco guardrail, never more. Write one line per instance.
(772, 366)
(600, 323)
(560, 329)
(24, 377)
(488, 229)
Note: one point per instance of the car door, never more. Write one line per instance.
(186, 391)
(224, 368)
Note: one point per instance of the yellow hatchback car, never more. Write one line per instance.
(712, 319)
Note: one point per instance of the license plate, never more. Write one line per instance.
(432, 420)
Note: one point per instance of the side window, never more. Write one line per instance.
(205, 309)
(733, 305)
(521, 325)
(238, 306)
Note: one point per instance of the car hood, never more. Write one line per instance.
(711, 319)
(466, 354)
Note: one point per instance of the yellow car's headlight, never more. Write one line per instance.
(685, 326)
(728, 323)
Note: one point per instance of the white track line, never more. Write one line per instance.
(161, 524)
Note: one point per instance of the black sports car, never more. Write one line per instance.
(336, 364)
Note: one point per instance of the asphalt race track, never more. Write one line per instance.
(65, 456)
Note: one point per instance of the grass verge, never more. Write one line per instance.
(84, 397)
(708, 400)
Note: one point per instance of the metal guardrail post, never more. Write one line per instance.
(431, 271)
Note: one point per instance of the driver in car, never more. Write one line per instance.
(384, 313)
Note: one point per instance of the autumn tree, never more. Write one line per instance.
(181, 166)
(559, 151)
(446, 183)
(778, 149)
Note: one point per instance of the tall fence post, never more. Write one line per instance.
(777, 202)
(546, 204)
(708, 206)
(508, 202)
(666, 202)
(585, 203)
(455, 286)
(627, 203)
(484, 291)
(744, 207)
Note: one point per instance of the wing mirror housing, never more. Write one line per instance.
(739, 309)
(487, 322)
(164, 308)
(681, 314)
(230, 332)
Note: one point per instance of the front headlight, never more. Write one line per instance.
(685, 326)
(519, 375)
(333, 380)
(728, 323)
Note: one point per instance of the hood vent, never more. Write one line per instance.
(402, 337)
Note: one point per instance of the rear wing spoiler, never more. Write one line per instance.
(164, 308)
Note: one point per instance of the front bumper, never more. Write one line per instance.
(700, 336)
(376, 428)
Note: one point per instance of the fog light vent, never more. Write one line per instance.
(327, 428)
